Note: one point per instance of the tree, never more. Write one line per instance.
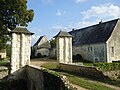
(13, 13)
(53, 43)
(8, 50)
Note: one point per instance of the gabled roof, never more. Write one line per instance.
(38, 41)
(42, 42)
(21, 30)
(98, 33)
(63, 34)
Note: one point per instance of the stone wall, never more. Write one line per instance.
(90, 72)
(3, 72)
(20, 50)
(64, 49)
(33, 78)
(43, 51)
(53, 53)
(92, 52)
(115, 75)
(113, 44)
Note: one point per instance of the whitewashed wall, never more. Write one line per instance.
(20, 50)
(114, 42)
(64, 49)
(43, 51)
(92, 52)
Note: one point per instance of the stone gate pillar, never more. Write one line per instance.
(20, 48)
(64, 47)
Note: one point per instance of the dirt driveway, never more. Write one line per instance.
(40, 61)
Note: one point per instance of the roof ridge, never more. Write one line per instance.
(95, 24)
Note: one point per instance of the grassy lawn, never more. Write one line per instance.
(51, 65)
(86, 83)
(78, 80)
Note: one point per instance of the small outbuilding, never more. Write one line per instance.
(42, 47)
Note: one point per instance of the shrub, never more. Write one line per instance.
(108, 66)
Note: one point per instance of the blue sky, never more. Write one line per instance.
(51, 16)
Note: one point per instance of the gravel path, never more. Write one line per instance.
(40, 61)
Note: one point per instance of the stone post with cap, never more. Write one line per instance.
(20, 48)
(64, 47)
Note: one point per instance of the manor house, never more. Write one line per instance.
(98, 43)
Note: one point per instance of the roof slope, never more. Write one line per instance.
(93, 34)
(21, 30)
(38, 40)
(42, 42)
(63, 34)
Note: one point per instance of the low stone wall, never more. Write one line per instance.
(115, 75)
(3, 72)
(91, 72)
(33, 78)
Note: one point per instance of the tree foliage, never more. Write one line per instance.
(13, 13)
(53, 43)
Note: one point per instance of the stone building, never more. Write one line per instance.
(98, 43)
(3, 53)
(42, 46)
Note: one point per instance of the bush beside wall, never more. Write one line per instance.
(108, 66)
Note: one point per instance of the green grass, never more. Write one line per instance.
(51, 65)
(78, 80)
(88, 64)
(86, 83)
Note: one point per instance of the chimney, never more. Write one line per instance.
(100, 22)
(73, 29)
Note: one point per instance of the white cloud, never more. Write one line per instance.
(58, 27)
(102, 11)
(77, 25)
(59, 12)
(80, 1)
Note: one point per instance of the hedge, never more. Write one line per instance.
(108, 66)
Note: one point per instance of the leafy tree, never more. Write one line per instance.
(13, 13)
(53, 43)
(8, 50)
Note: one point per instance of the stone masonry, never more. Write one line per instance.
(64, 47)
(20, 48)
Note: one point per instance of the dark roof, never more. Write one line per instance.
(38, 40)
(63, 34)
(98, 33)
(21, 30)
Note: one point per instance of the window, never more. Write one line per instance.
(91, 48)
(88, 49)
(112, 51)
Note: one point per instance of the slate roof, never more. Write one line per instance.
(21, 30)
(38, 41)
(62, 34)
(98, 33)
